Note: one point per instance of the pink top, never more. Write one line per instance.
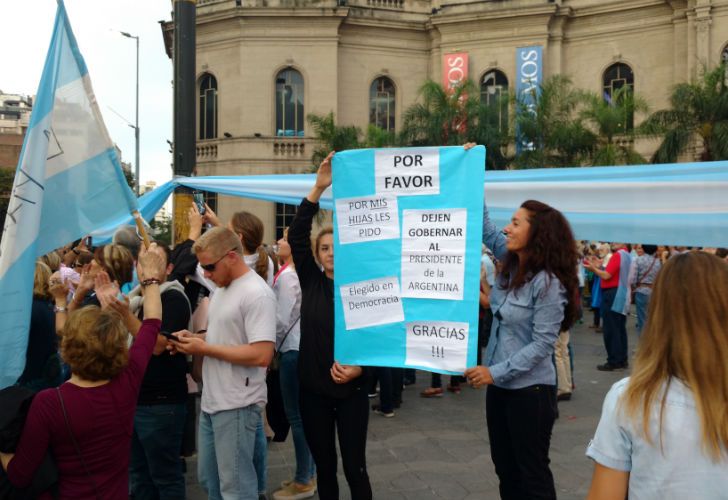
(102, 420)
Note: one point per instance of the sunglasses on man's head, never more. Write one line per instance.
(211, 267)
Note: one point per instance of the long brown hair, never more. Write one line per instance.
(551, 247)
(686, 337)
(117, 261)
(250, 229)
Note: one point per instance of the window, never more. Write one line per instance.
(289, 103)
(284, 217)
(494, 94)
(381, 104)
(211, 200)
(207, 116)
(615, 77)
(724, 55)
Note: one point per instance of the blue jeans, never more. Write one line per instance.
(615, 329)
(305, 466)
(226, 442)
(260, 457)
(155, 468)
(641, 300)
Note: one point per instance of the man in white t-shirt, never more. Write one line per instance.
(237, 347)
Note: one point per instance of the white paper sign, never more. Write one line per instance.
(407, 171)
(433, 253)
(367, 218)
(372, 302)
(437, 344)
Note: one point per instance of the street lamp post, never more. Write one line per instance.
(136, 122)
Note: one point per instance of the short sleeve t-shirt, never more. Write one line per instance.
(613, 270)
(244, 312)
(676, 471)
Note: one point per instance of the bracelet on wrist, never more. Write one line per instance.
(60, 309)
(150, 281)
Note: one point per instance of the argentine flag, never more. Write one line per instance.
(68, 182)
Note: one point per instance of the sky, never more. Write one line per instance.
(111, 60)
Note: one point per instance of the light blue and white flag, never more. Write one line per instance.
(68, 182)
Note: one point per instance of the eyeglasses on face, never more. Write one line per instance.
(211, 267)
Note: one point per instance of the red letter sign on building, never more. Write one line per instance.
(454, 69)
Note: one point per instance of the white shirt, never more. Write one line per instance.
(680, 470)
(241, 313)
(288, 314)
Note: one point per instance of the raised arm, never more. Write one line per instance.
(492, 236)
(299, 234)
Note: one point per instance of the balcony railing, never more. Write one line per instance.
(206, 152)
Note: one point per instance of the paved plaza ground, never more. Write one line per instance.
(438, 448)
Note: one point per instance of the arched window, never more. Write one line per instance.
(724, 55)
(615, 77)
(207, 116)
(289, 103)
(494, 93)
(381, 103)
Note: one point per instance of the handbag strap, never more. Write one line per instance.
(75, 444)
(278, 347)
(639, 280)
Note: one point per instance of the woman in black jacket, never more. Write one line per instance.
(333, 396)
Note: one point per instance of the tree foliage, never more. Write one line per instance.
(553, 132)
(699, 110)
(612, 123)
(444, 117)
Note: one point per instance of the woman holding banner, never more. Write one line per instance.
(534, 298)
(333, 397)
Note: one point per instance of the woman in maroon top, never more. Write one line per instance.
(99, 399)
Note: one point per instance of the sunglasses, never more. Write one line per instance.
(211, 267)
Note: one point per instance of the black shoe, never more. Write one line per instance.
(566, 396)
(378, 410)
(608, 367)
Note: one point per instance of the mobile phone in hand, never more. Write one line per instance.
(169, 336)
(199, 198)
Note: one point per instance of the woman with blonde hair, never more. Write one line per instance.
(42, 363)
(663, 433)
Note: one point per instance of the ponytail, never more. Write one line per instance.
(261, 266)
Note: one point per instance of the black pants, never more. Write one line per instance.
(390, 387)
(615, 329)
(322, 418)
(485, 324)
(519, 429)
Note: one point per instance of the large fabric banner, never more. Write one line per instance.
(68, 183)
(454, 70)
(407, 244)
(529, 76)
(671, 204)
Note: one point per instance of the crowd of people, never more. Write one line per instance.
(124, 338)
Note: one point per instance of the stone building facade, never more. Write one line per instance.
(263, 65)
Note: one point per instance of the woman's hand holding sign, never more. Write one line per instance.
(478, 376)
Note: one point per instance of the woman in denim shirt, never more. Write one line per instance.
(533, 300)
